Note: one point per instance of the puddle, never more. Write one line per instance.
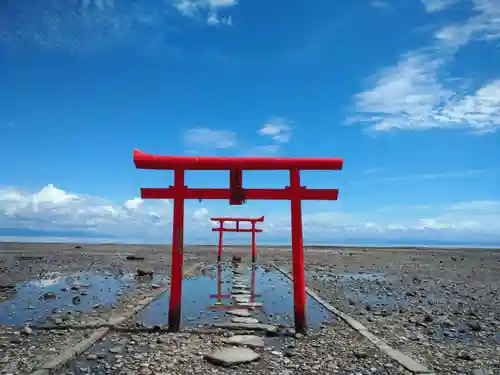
(36, 300)
(201, 305)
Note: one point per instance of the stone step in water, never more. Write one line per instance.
(244, 320)
(251, 305)
(245, 313)
(246, 326)
(247, 340)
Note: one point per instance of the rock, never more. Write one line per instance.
(359, 353)
(239, 312)
(144, 272)
(236, 259)
(134, 257)
(115, 349)
(232, 356)
(26, 331)
(245, 320)
(478, 371)
(49, 295)
(272, 331)
(92, 357)
(474, 325)
(248, 340)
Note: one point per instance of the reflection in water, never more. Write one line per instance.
(266, 286)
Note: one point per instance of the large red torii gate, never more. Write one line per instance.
(221, 229)
(237, 195)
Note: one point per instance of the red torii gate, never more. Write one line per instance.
(221, 229)
(237, 195)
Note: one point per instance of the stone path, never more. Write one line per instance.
(240, 319)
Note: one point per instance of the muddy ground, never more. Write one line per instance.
(441, 307)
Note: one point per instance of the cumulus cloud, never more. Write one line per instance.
(55, 210)
(417, 93)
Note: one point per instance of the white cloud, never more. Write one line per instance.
(88, 26)
(437, 5)
(209, 138)
(278, 129)
(151, 220)
(418, 94)
(484, 24)
(411, 96)
(209, 8)
(53, 209)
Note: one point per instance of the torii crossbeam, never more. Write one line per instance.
(221, 229)
(237, 195)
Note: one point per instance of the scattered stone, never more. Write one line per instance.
(26, 331)
(232, 356)
(49, 295)
(474, 325)
(144, 272)
(134, 257)
(359, 353)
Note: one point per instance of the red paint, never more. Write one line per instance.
(221, 233)
(214, 163)
(259, 194)
(237, 195)
(299, 285)
(174, 317)
(238, 220)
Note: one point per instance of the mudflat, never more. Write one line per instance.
(439, 306)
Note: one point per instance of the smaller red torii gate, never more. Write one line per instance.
(221, 229)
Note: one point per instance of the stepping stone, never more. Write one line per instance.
(232, 356)
(240, 291)
(241, 298)
(250, 304)
(248, 340)
(243, 326)
(240, 284)
(239, 312)
(244, 320)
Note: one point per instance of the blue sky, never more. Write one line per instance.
(407, 92)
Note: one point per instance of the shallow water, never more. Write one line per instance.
(36, 300)
(199, 298)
